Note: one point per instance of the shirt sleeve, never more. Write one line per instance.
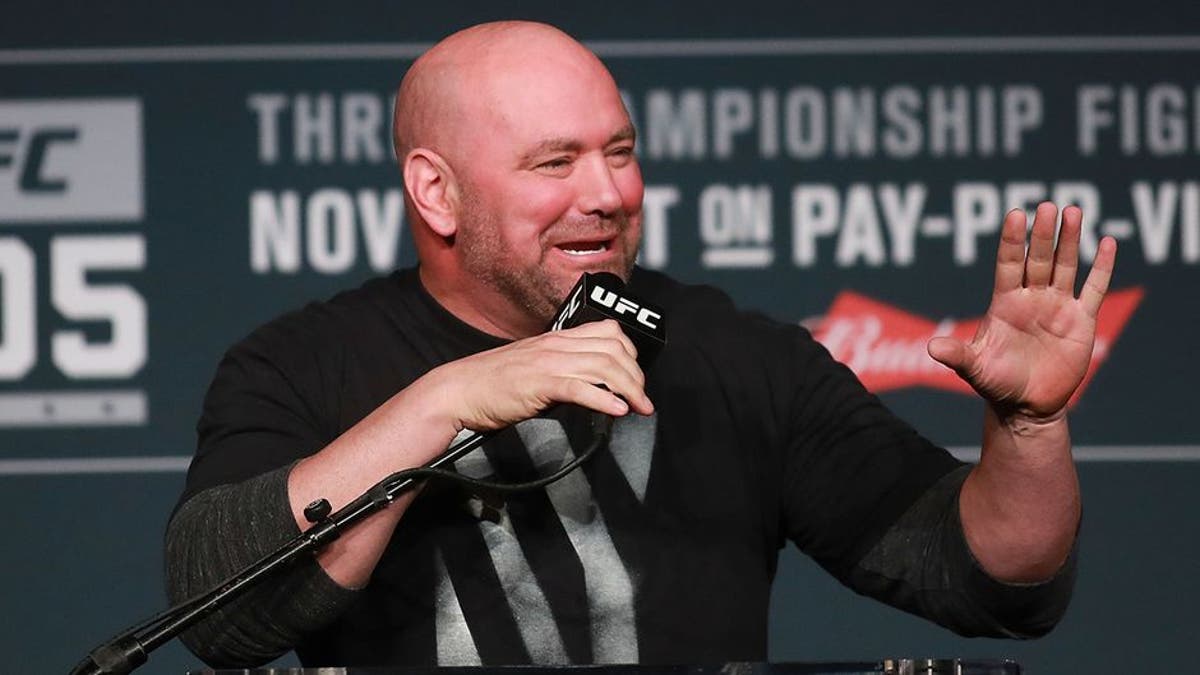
(262, 413)
(924, 565)
(876, 504)
(225, 528)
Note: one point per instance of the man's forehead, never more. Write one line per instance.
(523, 85)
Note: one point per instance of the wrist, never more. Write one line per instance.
(1025, 423)
(432, 401)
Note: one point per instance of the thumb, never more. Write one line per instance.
(950, 352)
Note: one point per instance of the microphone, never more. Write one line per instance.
(601, 295)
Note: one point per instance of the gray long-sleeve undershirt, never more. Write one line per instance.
(224, 529)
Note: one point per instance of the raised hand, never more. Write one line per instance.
(1034, 344)
(499, 387)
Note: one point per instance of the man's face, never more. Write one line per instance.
(550, 188)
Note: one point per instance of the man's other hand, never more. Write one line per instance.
(1034, 344)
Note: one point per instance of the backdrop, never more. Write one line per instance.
(172, 177)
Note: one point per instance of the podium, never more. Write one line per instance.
(900, 666)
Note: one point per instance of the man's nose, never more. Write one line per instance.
(598, 192)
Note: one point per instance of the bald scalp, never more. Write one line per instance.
(448, 88)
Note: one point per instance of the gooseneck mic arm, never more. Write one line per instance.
(129, 650)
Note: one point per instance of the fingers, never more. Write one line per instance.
(1039, 261)
(1044, 264)
(1096, 284)
(603, 329)
(591, 396)
(1010, 256)
(1066, 255)
(618, 372)
(597, 353)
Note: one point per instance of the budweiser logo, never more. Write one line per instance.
(885, 345)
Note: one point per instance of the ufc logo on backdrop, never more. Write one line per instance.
(33, 176)
(71, 169)
(64, 160)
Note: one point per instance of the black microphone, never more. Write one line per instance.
(601, 295)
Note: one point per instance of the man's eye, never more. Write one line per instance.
(556, 163)
(621, 155)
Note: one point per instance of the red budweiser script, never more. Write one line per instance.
(886, 346)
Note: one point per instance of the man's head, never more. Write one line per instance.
(518, 164)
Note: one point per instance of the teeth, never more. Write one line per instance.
(598, 249)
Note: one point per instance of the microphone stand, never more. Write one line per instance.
(129, 650)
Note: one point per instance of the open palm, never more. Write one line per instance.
(1034, 344)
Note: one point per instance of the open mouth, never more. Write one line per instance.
(583, 248)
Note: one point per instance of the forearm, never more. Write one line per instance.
(223, 529)
(1020, 505)
(410, 429)
(488, 390)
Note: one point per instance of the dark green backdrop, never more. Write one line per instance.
(150, 156)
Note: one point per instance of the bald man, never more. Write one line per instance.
(519, 171)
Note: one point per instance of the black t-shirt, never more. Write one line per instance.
(661, 550)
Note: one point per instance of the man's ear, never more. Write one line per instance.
(433, 190)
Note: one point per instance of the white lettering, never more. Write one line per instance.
(816, 209)
(1129, 120)
(604, 296)
(625, 306)
(1166, 132)
(948, 121)
(644, 317)
(117, 304)
(1022, 113)
(655, 205)
(732, 215)
(1092, 101)
(1154, 211)
(804, 123)
(1025, 196)
(1191, 222)
(902, 216)
(18, 309)
(274, 232)
(313, 128)
(382, 220)
(266, 108)
(854, 122)
(362, 117)
(732, 116)
(976, 211)
(985, 125)
(861, 238)
(903, 135)
(675, 130)
(330, 231)
(768, 123)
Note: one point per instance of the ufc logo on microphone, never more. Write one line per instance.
(621, 305)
